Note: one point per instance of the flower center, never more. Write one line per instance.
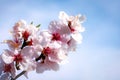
(46, 50)
(7, 68)
(56, 36)
(25, 35)
(18, 58)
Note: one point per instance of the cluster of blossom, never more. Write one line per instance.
(31, 49)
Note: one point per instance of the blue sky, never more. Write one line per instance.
(97, 58)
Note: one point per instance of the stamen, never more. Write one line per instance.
(56, 36)
(25, 35)
(7, 68)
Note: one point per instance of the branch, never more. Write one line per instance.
(42, 56)
(20, 74)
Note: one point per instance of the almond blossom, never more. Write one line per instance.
(59, 31)
(32, 49)
(23, 59)
(6, 70)
(73, 22)
(23, 35)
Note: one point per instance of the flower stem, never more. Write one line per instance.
(42, 56)
(20, 74)
(24, 44)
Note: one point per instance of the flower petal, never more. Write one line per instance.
(63, 16)
(27, 64)
(7, 57)
(47, 65)
(28, 52)
(77, 37)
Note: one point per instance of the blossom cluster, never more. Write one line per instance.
(31, 49)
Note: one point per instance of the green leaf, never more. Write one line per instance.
(38, 25)
(31, 22)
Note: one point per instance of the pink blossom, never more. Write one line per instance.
(6, 70)
(22, 32)
(73, 22)
(23, 58)
(31, 49)
(53, 51)
(59, 31)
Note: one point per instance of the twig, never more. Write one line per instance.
(20, 74)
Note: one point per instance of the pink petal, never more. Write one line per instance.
(7, 57)
(47, 65)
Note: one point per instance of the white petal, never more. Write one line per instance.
(13, 70)
(77, 37)
(41, 67)
(55, 44)
(12, 45)
(28, 51)
(57, 55)
(62, 55)
(80, 28)
(47, 65)
(22, 22)
(82, 18)
(27, 64)
(53, 65)
(46, 37)
(7, 57)
(63, 16)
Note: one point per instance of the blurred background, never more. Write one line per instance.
(97, 58)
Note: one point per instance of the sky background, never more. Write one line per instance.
(97, 58)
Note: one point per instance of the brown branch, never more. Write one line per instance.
(20, 74)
